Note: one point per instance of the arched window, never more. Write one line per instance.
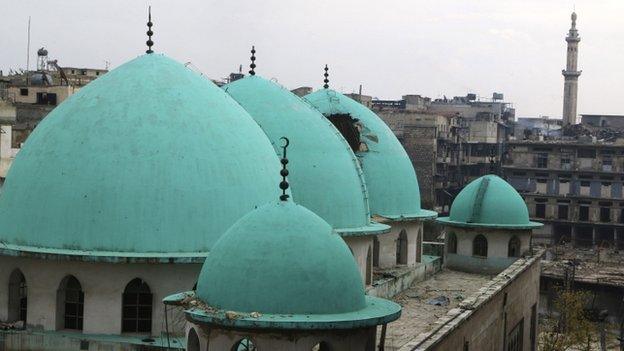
(451, 243)
(375, 252)
(513, 249)
(244, 345)
(369, 266)
(192, 343)
(480, 246)
(137, 308)
(401, 248)
(321, 346)
(18, 297)
(70, 304)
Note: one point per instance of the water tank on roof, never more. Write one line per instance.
(40, 78)
(471, 97)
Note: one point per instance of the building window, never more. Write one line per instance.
(18, 297)
(452, 243)
(321, 346)
(584, 213)
(566, 164)
(137, 308)
(542, 160)
(23, 91)
(562, 211)
(71, 298)
(192, 343)
(515, 337)
(513, 249)
(607, 163)
(244, 345)
(401, 248)
(605, 214)
(540, 210)
(584, 188)
(480, 246)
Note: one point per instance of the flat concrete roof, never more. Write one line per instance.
(418, 316)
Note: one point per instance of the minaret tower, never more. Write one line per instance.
(571, 74)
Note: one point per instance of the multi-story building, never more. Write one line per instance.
(574, 187)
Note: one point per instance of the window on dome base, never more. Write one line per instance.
(401, 248)
(350, 128)
(321, 346)
(192, 343)
(137, 308)
(513, 249)
(480, 246)
(70, 304)
(244, 345)
(451, 243)
(18, 294)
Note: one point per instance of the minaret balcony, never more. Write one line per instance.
(570, 73)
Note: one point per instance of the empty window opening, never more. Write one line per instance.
(349, 128)
(513, 249)
(584, 213)
(605, 214)
(542, 160)
(562, 234)
(192, 343)
(375, 252)
(23, 91)
(584, 236)
(321, 346)
(452, 243)
(137, 308)
(562, 211)
(18, 297)
(401, 248)
(480, 246)
(515, 337)
(540, 210)
(369, 266)
(244, 345)
(70, 304)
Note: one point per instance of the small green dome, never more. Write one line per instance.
(489, 201)
(287, 264)
(150, 159)
(325, 175)
(390, 176)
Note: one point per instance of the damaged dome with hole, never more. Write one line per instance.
(325, 175)
(390, 176)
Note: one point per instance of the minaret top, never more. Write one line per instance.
(573, 33)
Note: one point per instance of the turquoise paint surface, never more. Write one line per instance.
(390, 177)
(325, 175)
(149, 158)
(285, 262)
(500, 206)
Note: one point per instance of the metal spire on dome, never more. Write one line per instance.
(326, 85)
(253, 65)
(284, 172)
(149, 32)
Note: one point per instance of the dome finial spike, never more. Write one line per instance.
(253, 60)
(284, 172)
(149, 32)
(326, 75)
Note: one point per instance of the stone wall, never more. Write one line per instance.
(487, 320)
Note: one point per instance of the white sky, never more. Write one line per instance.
(391, 47)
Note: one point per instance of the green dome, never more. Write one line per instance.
(324, 174)
(390, 177)
(489, 201)
(150, 159)
(285, 263)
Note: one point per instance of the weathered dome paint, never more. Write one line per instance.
(489, 201)
(288, 265)
(150, 159)
(390, 176)
(325, 175)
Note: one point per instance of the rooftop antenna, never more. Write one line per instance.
(149, 41)
(284, 172)
(326, 85)
(253, 66)
(28, 53)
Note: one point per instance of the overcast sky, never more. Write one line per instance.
(391, 47)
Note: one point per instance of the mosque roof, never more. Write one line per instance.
(149, 160)
(325, 175)
(282, 266)
(489, 202)
(390, 176)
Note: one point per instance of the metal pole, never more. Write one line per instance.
(28, 54)
(167, 329)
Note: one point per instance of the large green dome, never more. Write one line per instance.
(390, 176)
(150, 159)
(285, 263)
(489, 201)
(324, 175)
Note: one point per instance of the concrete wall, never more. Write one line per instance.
(485, 320)
(62, 92)
(362, 249)
(387, 253)
(497, 254)
(102, 284)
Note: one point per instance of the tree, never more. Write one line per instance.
(571, 328)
